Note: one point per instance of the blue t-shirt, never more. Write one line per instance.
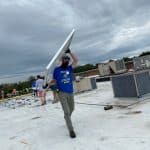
(63, 77)
(33, 84)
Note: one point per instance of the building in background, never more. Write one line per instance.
(129, 65)
(111, 67)
(142, 62)
(93, 72)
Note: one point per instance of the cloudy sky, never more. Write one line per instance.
(31, 31)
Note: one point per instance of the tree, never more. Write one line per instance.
(126, 59)
(31, 78)
(110, 60)
(20, 86)
(144, 53)
(84, 68)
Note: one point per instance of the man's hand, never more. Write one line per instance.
(52, 82)
(45, 86)
(68, 50)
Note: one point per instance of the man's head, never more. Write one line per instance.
(65, 61)
(38, 76)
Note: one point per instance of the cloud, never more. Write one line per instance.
(31, 31)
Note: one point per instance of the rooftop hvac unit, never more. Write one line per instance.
(135, 84)
(85, 84)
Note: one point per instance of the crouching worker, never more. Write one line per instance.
(64, 79)
(41, 90)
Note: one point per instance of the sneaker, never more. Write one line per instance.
(54, 101)
(44, 103)
(72, 134)
(108, 107)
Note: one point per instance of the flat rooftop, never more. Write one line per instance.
(33, 127)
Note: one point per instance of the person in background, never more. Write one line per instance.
(63, 75)
(40, 89)
(53, 86)
(34, 89)
(14, 92)
(2, 94)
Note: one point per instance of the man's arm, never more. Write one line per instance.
(75, 59)
(51, 83)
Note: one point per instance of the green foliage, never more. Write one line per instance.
(20, 86)
(84, 68)
(144, 53)
(110, 60)
(126, 59)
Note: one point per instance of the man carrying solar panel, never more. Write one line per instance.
(63, 75)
